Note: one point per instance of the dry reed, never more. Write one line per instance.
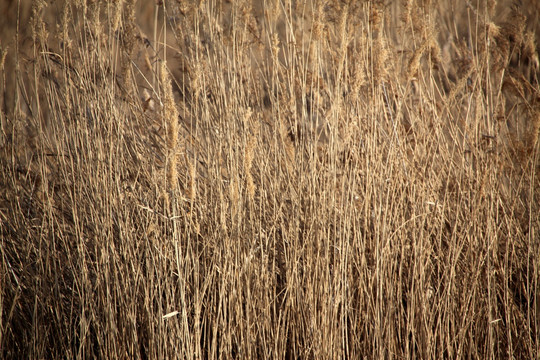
(342, 180)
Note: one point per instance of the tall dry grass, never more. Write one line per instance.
(270, 179)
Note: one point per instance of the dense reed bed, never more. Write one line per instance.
(269, 179)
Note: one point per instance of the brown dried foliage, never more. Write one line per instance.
(269, 179)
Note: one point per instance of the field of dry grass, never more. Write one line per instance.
(269, 179)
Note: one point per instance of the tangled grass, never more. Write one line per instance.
(269, 179)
